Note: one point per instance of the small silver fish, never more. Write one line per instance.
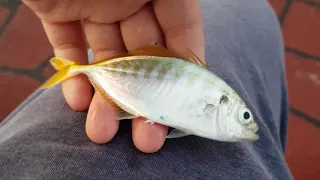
(165, 88)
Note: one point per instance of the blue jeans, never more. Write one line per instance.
(44, 139)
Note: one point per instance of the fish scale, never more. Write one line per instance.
(151, 86)
(147, 69)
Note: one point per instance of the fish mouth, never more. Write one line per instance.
(253, 126)
(251, 133)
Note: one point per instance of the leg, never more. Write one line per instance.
(45, 139)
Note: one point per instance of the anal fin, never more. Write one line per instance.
(175, 133)
(149, 121)
(122, 114)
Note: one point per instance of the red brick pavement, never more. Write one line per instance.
(303, 75)
(301, 29)
(4, 14)
(303, 149)
(17, 88)
(26, 35)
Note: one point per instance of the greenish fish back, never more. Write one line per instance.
(147, 67)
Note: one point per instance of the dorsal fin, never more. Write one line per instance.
(146, 51)
(193, 58)
(161, 52)
(153, 51)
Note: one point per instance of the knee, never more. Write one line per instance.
(237, 26)
(234, 11)
(235, 17)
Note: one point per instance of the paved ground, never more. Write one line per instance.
(24, 51)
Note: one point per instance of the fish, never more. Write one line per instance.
(169, 88)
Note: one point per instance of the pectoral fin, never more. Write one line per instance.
(177, 134)
(122, 114)
(209, 109)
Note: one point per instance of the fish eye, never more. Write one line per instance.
(245, 116)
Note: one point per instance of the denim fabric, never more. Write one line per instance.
(44, 139)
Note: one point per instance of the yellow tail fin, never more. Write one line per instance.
(59, 63)
(64, 67)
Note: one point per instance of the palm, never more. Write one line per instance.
(112, 27)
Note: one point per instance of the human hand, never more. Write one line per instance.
(113, 27)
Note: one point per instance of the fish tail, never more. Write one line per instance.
(60, 64)
(66, 69)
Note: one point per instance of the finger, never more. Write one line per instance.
(141, 29)
(146, 137)
(100, 125)
(105, 41)
(68, 42)
(138, 31)
(181, 23)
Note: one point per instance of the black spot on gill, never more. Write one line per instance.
(223, 99)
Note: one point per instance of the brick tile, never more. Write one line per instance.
(301, 28)
(304, 84)
(277, 5)
(16, 89)
(48, 72)
(11, 1)
(4, 14)
(24, 44)
(303, 151)
(315, 1)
